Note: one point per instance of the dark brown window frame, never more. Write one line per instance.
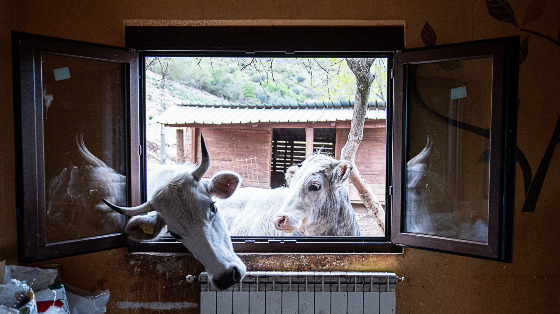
(30, 166)
(502, 135)
(263, 41)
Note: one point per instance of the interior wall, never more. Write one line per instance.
(434, 282)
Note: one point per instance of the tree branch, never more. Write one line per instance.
(361, 69)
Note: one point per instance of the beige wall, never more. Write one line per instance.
(435, 282)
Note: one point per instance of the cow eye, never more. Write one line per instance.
(314, 187)
(213, 210)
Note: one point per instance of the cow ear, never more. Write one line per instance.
(144, 227)
(342, 171)
(224, 183)
(290, 172)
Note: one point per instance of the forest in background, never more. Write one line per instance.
(264, 80)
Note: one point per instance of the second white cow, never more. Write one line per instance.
(315, 203)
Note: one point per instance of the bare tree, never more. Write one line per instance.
(361, 69)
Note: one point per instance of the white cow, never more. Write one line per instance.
(186, 205)
(315, 203)
(74, 206)
(420, 215)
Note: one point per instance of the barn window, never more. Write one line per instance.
(430, 128)
(289, 148)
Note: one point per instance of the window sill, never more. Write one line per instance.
(312, 246)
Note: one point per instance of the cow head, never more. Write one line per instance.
(74, 206)
(187, 207)
(313, 191)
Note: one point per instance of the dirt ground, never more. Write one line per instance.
(368, 226)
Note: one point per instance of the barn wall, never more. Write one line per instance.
(248, 152)
(370, 158)
(434, 282)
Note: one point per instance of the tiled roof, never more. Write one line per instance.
(276, 113)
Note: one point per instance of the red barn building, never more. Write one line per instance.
(261, 141)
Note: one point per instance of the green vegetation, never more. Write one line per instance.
(267, 80)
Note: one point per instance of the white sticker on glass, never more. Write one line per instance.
(61, 74)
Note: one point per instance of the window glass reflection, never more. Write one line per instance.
(447, 171)
(84, 152)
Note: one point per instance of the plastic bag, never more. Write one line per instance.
(36, 278)
(83, 302)
(52, 300)
(17, 297)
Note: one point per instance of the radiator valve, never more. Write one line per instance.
(190, 278)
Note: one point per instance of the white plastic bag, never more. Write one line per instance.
(36, 278)
(16, 295)
(83, 302)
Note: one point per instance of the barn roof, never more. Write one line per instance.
(275, 113)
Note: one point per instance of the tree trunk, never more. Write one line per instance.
(361, 69)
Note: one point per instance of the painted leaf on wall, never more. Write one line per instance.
(428, 35)
(523, 49)
(501, 10)
(534, 11)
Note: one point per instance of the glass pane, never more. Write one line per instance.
(447, 170)
(84, 146)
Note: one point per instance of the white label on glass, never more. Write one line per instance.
(459, 92)
(61, 74)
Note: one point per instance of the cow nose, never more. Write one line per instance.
(279, 222)
(228, 279)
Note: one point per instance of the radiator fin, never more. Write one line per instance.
(303, 292)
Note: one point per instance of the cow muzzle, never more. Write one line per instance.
(286, 224)
(228, 279)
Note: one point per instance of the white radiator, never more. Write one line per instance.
(303, 292)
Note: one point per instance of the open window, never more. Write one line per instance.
(76, 108)
(461, 170)
(454, 142)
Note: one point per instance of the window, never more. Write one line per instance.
(456, 128)
(76, 113)
(289, 147)
(453, 151)
(261, 117)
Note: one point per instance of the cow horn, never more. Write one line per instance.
(86, 154)
(423, 154)
(130, 211)
(204, 163)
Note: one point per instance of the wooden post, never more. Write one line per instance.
(188, 144)
(180, 145)
(195, 132)
(308, 142)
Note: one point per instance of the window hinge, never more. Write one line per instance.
(390, 190)
(139, 150)
(392, 73)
